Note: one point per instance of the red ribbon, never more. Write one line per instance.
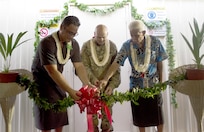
(92, 102)
(142, 74)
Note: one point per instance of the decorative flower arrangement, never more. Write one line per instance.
(60, 57)
(141, 68)
(94, 54)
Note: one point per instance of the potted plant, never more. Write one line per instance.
(7, 47)
(196, 73)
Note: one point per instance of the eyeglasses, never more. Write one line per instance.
(136, 33)
(67, 31)
(72, 34)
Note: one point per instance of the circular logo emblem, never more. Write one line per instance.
(151, 14)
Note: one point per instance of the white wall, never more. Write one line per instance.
(21, 15)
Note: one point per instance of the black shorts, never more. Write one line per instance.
(48, 119)
(148, 112)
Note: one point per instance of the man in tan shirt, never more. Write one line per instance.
(97, 54)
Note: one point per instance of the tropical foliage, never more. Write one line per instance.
(7, 46)
(196, 42)
(61, 105)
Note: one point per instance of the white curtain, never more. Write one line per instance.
(21, 15)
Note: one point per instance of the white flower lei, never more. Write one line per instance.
(106, 55)
(141, 68)
(60, 57)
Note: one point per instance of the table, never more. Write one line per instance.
(194, 89)
(8, 92)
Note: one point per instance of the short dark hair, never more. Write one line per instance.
(71, 20)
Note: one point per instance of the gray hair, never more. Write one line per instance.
(137, 25)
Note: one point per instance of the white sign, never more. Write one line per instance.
(46, 15)
(158, 31)
(156, 13)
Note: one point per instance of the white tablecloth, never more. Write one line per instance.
(190, 87)
(10, 89)
(8, 92)
(195, 90)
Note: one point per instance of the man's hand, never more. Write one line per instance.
(103, 83)
(109, 91)
(75, 94)
(90, 86)
(96, 82)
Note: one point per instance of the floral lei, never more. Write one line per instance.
(141, 68)
(60, 57)
(94, 55)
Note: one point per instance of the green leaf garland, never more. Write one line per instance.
(62, 105)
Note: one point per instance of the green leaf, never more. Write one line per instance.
(2, 46)
(7, 46)
(197, 42)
